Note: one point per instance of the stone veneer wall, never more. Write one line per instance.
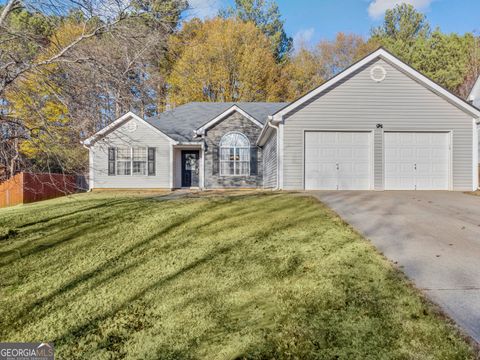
(234, 122)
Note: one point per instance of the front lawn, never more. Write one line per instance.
(248, 275)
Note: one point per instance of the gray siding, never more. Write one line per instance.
(270, 161)
(143, 136)
(358, 103)
(234, 122)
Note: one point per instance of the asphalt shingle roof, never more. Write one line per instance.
(179, 123)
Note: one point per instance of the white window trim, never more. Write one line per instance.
(131, 161)
(235, 162)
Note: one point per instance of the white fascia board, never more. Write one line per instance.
(264, 131)
(271, 122)
(122, 119)
(234, 108)
(385, 55)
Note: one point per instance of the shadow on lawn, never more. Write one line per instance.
(81, 330)
(163, 232)
(76, 212)
(101, 221)
(363, 318)
(107, 265)
(305, 329)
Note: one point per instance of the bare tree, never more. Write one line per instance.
(107, 66)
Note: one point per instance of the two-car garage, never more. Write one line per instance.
(345, 160)
(379, 125)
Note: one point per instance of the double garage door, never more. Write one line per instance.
(344, 160)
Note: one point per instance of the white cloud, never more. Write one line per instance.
(303, 37)
(377, 8)
(203, 8)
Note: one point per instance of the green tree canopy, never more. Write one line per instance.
(265, 14)
(446, 58)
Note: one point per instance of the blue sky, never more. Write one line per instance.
(312, 20)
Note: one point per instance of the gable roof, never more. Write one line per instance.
(181, 122)
(474, 96)
(229, 111)
(396, 62)
(117, 123)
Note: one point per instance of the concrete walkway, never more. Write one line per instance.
(433, 236)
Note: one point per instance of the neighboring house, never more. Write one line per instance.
(378, 125)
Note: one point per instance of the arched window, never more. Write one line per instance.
(234, 155)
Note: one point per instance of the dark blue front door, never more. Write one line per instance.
(190, 169)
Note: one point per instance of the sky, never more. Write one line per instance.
(309, 21)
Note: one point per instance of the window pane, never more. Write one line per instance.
(139, 154)
(234, 155)
(244, 168)
(234, 140)
(123, 154)
(139, 168)
(244, 154)
(224, 154)
(123, 167)
(226, 168)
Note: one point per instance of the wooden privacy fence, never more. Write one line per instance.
(26, 188)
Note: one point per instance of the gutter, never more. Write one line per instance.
(87, 145)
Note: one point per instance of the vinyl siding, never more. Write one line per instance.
(270, 161)
(143, 136)
(358, 103)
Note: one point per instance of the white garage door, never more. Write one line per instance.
(337, 161)
(417, 161)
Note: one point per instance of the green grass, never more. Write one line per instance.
(255, 276)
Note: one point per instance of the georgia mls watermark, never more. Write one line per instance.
(26, 351)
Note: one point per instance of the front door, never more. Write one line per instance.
(190, 168)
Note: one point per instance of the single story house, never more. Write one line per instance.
(378, 125)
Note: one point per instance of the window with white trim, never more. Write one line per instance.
(124, 159)
(234, 155)
(139, 161)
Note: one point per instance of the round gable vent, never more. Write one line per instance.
(131, 126)
(378, 73)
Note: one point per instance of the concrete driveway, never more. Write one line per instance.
(433, 236)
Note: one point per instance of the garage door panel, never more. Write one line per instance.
(416, 161)
(337, 160)
(361, 154)
(354, 183)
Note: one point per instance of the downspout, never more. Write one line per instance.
(277, 131)
(90, 166)
(197, 134)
